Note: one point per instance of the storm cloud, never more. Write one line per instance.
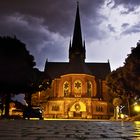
(133, 29)
(46, 26)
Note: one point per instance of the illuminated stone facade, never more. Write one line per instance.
(75, 96)
(78, 88)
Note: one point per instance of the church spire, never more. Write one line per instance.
(77, 49)
(77, 35)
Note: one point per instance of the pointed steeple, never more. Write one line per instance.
(77, 35)
(77, 49)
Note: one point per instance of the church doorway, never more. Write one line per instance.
(77, 115)
(78, 110)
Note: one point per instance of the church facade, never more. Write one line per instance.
(78, 88)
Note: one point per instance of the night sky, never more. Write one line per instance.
(109, 27)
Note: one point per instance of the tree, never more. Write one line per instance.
(17, 68)
(41, 97)
(125, 81)
(131, 70)
(42, 81)
(118, 86)
(115, 81)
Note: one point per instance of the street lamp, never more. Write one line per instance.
(39, 94)
(39, 97)
(137, 108)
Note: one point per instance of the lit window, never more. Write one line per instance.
(77, 88)
(99, 109)
(55, 108)
(66, 88)
(89, 88)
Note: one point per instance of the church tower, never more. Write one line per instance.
(77, 47)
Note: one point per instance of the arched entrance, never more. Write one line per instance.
(78, 110)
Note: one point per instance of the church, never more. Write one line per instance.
(78, 88)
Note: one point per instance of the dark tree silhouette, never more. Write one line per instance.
(42, 81)
(118, 86)
(127, 78)
(125, 81)
(16, 72)
(115, 81)
(131, 70)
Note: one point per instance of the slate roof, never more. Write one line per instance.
(57, 69)
(100, 70)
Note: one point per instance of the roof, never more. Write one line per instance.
(100, 70)
(57, 69)
(78, 67)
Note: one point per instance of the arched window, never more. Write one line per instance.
(89, 88)
(66, 88)
(77, 88)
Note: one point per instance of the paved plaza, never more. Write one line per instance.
(68, 130)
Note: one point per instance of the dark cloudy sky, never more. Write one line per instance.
(109, 27)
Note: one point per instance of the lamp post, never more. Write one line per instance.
(39, 98)
(39, 95)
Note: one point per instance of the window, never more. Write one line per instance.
(89, 88)
(99, 108)
(77, 88)
(55, 108)
(66, 88)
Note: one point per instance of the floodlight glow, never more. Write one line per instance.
(137, 108)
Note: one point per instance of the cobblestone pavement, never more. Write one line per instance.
(68, 130)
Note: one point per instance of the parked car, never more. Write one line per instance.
(32, 112)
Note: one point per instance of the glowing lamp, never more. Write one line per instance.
(122, 116)
(137, 108)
